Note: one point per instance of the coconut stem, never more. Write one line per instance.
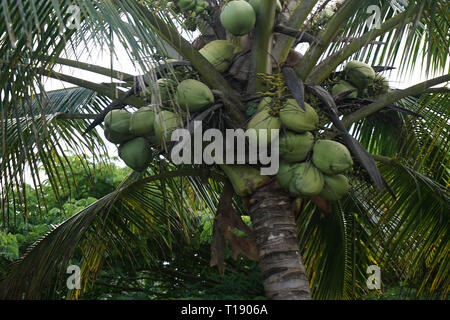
(262, 45)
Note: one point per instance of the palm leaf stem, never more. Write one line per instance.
(392, 97)
(89, 67)
(327, 66)
(325, 38)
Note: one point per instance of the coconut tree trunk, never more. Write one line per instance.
(280, 262)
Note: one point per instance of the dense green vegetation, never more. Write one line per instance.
(79, 190)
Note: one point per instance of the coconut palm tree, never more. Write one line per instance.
(395, 216)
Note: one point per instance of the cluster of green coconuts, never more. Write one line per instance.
(361, 78)
(308, 166)
(136, 132)
(321, 174)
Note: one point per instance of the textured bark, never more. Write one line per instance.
(280, 262)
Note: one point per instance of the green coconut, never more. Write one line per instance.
(116, 127)
(141, 122)
(294, 147)
(335, 187)
(294, 118)
(219, 53)
(379, 86)
(256, 4)
(331, 157)
(238, 17)
(342, 86)
(136, 153)
(263, 120)
(116, 137)
(165, 123)
(307, 180)
(359, 74)
(166, 87)
(118, 121)
(194, 95)
(285, 173)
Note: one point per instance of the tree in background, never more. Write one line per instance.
(18, 234)
(395, 213)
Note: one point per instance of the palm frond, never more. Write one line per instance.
(417, 38)
(413, 229)
(337, 248)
